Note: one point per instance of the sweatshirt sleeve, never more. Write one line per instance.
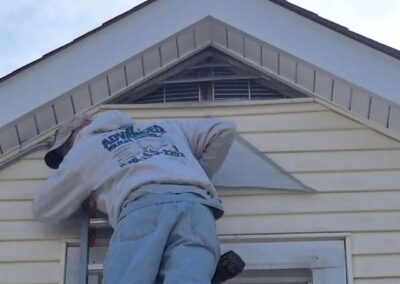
(63, 193)
(209, 140)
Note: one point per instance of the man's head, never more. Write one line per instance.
(64, 140)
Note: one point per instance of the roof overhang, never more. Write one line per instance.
(181, 48)
(274, 22)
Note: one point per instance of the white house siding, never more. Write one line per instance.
(354, 169)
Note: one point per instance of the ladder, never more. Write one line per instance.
(229, 265)
(90, 224)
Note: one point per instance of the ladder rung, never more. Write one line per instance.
(99, 223)
(95, 268)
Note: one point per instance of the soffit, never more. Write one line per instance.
(180, 48)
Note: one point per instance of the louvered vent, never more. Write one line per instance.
(244, 90)
(172, 93)
(222, 71)
(222, 90)
(155, 97)
(213, 79)
(259, 91)
(231, 89)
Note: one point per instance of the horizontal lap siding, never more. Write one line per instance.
(376, 243)
(311, 203)
(30, 272)
(261, 205)
(30, 230)
(355, 171)
(30, 252)
(20, 251)
(362, 160)
(306, 223)
(375, 266)
(320, 140)
(383, 280)
(349, 181)
(18, 189)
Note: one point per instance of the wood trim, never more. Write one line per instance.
(203, 104)
(349, 260)
(369, 123)
(63, 261)
(284, 237)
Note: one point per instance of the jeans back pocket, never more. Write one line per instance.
(139, 223)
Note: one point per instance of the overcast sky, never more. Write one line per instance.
(31, 28)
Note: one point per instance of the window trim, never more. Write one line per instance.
(345, 237)
(307, 237)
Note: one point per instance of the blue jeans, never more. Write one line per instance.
(170, 243)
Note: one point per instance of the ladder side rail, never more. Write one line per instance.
(84, 245)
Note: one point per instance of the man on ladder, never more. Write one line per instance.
(153, 181)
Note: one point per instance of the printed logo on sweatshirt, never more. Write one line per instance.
(129, 135)
(129, 147)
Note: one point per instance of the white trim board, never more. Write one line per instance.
(323, 255)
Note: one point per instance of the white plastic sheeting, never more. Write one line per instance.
(247, 167)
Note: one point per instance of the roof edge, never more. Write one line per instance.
(338, 28)
(283, 3)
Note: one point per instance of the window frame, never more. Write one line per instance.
(227, 242)
(321, 272)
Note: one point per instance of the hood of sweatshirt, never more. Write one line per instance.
(106, 121)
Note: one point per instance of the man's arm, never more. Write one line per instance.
(210, 140)
(63, 193)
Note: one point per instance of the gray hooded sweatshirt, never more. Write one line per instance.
(116, 159)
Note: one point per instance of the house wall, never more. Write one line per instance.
(354, 169)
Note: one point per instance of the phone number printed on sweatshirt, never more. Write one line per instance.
(129, 146)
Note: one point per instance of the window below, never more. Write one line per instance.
(274, 276)
(287, 262)
(290, 262)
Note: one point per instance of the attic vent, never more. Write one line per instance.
(222, 90)
(244, 90)
(233, 89)
(214, 78)
(172, 93)
(221, 71)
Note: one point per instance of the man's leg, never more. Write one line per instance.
(136, 248)
(192, 250)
